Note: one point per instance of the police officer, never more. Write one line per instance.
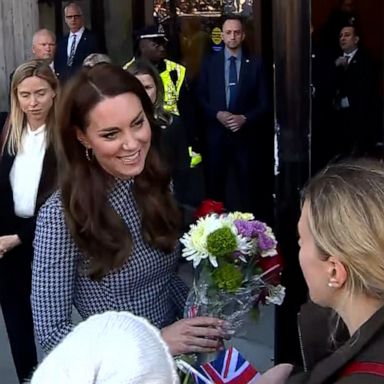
(150, 45)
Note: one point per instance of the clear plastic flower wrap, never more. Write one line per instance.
(206, 300)
(236, 266)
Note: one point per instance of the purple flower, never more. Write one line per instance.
(251, 228)
(266, 242)
(258, 226)
(244, 227)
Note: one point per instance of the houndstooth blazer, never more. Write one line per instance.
(146, 285)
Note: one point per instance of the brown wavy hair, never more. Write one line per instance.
(96, 228)
(144, 67)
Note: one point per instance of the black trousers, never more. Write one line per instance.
(228, 153)
(239, 171)
(15, 292)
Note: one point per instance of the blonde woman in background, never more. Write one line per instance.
(27, 177)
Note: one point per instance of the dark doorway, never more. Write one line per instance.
(347, 98)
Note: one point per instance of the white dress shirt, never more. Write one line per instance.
(26, 171)
(78, 34)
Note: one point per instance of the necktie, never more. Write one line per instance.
(233, 85)
(348, 57)
(72, 52)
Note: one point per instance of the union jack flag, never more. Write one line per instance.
(230, 367)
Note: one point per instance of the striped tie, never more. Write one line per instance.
(72, 52)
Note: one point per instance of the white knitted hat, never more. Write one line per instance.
(111, 348)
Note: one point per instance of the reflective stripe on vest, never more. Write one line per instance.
(172, 91)
(130, 62)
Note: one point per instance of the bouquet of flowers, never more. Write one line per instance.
(236, 262)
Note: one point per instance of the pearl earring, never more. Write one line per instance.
(332, 283)
(88, 154)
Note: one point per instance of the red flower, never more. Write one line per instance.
(208, 206)
(266, 263)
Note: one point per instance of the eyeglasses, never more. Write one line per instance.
(73, 17)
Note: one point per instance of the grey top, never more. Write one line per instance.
(146, 285)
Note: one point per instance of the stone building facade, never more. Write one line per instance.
(19, 20)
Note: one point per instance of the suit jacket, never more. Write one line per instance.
(357, 83)
(252, 96)
(86, 46)
(9, 222)
(366, 345)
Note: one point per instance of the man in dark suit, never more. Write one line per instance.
(234, 99)
(76, 46)
(355, 100)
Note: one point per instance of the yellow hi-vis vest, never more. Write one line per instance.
(172, 90)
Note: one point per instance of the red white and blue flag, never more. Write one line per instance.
(230, 367)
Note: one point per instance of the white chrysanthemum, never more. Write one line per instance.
(244, 245)
(275, 295)
(246, 216)
(195, 240)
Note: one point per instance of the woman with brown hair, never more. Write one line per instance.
(27, 177)
(149, 77)
(109, 239)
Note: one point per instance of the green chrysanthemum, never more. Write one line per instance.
(221, 242)
(227, 277)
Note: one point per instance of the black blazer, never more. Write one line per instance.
(358, 82)
(9, 222)
(252, 100)
(86, 46)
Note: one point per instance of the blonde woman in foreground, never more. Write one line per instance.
(341, 231)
